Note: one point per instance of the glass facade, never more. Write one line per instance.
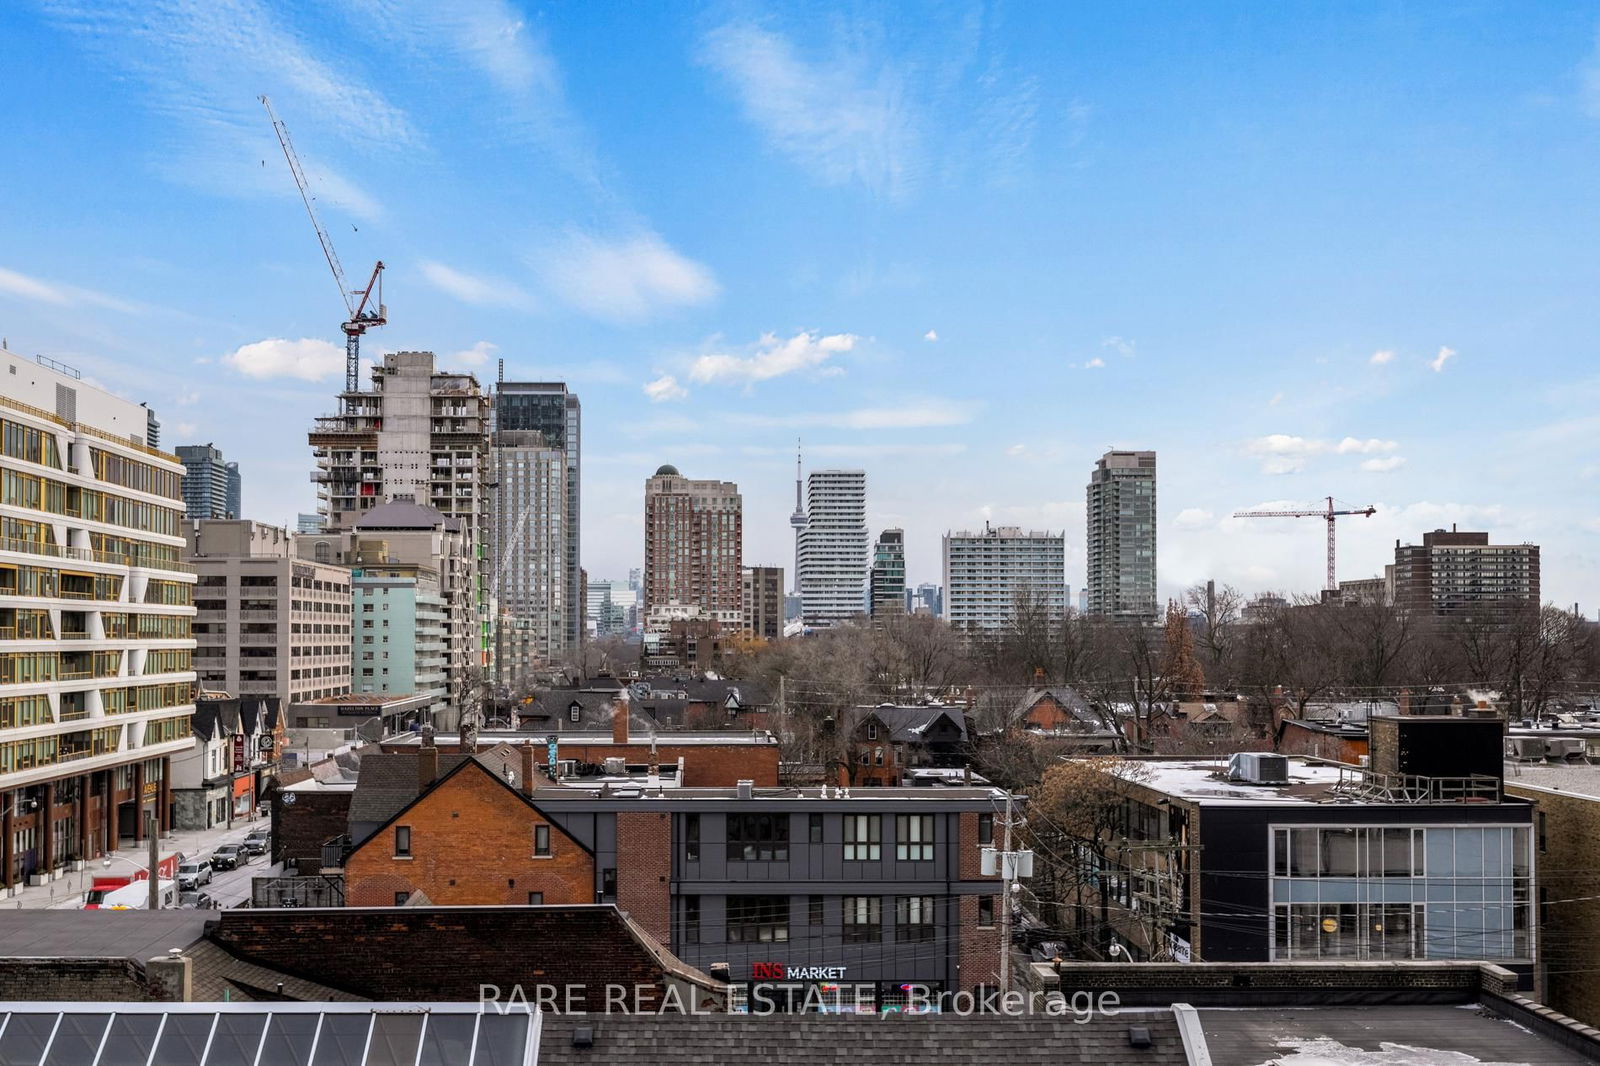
(1401, 892)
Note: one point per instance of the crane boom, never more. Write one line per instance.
(1329, 513)
(359, 317)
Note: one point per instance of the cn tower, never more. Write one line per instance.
(798, 519)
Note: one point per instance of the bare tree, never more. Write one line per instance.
(1219, 610)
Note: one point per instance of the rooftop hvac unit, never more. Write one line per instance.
(1564, 748)
(616, 765)
(1259, 768)
(1526, 749)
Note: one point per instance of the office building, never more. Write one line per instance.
(414, 622)
(529, 576)
(763, 601)
(417, 434)
(211, 487)
(309, 523)
(97, 678)
(1460, 577)
(545, 415)
(1417, 856)
(267, 622)
(1121, 540)
(834, 547)
(887, 583)
(926, 598)
(988, 576)
(693, 544)
(613, 608)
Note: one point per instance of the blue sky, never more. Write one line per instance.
(968, 247)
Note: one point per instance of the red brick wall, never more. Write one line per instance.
(471, 845)
(1048, 715)
(979, 948)
(704, 765)
(644, 866)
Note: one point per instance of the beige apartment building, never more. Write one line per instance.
(96, 681)
(268, 623)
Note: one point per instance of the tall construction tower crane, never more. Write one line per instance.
(1328, 513)
(362, 314)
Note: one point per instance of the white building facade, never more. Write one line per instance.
(834, 548)
(987, 574)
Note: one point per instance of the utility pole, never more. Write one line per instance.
(1007, 868)
(153, 832)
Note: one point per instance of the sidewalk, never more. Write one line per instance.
(67, 891)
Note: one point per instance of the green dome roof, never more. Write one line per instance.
(668, 471)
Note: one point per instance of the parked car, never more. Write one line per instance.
(229, 857)
(257, 842)
(196, 901)
(192, 873)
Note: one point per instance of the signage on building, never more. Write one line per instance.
(553, 748)
(238, 753)
(777, 971)
(1179, 948)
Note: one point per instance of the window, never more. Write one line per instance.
(872, 730)
(400, 898)
(402, 842)
(913, 837)
(814, 910)
(535, 899)
(863, 919)
(691, 838)
(758, 919)
(986, 828)
(691, 919)
(985, 911)
(575, 711)
(541, 840)
(913, 918)
(758, 837)
(814, 829)
(862, 835)
(608, 881)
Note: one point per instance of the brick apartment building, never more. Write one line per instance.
(787, 886)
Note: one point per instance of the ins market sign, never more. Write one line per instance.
(777, 971)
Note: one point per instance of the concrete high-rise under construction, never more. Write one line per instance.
(1121, 537)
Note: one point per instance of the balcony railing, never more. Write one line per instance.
(1371, 784)
(57, 551)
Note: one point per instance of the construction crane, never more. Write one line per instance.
(361, 313)
(1328, 513)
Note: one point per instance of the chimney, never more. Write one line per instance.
(1405, 701)
(528, 781)
(170, 977)
(619, 720)
(427, 765)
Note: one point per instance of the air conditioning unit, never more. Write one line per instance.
(1259, 768)
(616, 766)
(1564, 748)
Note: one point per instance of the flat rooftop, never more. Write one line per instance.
(358, 699)
(1205, 781)
(1579, 779)
(597, 737)
(623, 789)
(75, 934)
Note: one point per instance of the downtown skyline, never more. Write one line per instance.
(1294, 255)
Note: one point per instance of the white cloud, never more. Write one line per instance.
(1095, 364)
(49, 292)
(476, 355)
(844, 117)
(665, 388)
(1277, 398)
(1120, 345)
(307, 359)
(931, 335)
(1383, 466)
(187, 398)
(472, 288)
(1444, 356)
(773, 357)
(1193, 518)
(627, 279)
(1017, 449)
(185, 429)
(1281, 453)
(1382, 356)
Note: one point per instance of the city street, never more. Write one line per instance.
(230, 888)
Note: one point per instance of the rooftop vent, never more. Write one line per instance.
(1258, 768)
(616, 765)
(747, 790)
